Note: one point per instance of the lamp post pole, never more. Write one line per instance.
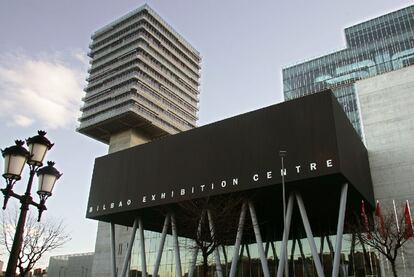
(18, 236)
(15, 158)
(282, 155)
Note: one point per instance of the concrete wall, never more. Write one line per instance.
(387, 110)
(57, 266)
(77, 265)
(102, 260)
(80, 266)
(125, 140)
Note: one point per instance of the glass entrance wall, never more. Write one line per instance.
(362, 261)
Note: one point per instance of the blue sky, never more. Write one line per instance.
(244, 45)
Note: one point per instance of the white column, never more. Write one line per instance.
(142, 243)
(309, 234)
(286, 231)
(195, 253)
(239, 236)
(176, 247)
(113, 255)
(162, 242)
(340, 230)
(259, 241)
(219, 270)
(129, 249)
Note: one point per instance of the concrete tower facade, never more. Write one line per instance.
(144, 77)
(143, 84)
(387, 115)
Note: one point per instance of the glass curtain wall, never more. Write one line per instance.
(374, 47)
(355, 261)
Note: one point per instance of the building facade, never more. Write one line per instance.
(143, 76)
(143, 84)
(373, 47)
(236, 163)
(75, 265)
(386, 103)
(373, 81)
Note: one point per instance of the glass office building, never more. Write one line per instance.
(376, 46)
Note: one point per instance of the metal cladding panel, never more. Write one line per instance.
(353, 156)
(234, 155)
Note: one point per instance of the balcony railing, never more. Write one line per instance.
(145, 92)
(162, 124)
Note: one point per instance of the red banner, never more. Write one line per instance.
(408, 232)
(365, 219)
(380, 220)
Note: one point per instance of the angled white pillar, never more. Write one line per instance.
(129, 249)
(283, 254)
(340, 230)
(176, 246)
(162, 242)
(195, 253)
(219, 270)
(113, 255)
(311, 240)
(216, 253)
(233, 269)
(259, 241)
(142, 243)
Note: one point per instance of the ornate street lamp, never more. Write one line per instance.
(38, 146)
(48, 176)
(15, 157)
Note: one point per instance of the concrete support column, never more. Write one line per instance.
(129, 249)
(142, 243)
(162, 242)
(311, 240)
(176, 246)
(259, 241)
(285, 239)
(113, 253)
(219, 270)
(233, 269)
(195, 253)
(340, 230)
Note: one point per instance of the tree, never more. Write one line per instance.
(223, 211)
(387, 232)
(38, 238)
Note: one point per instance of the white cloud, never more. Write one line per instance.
(22, 120)
(43, 90)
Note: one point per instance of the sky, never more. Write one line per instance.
(244, 46)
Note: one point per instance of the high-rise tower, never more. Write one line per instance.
(143, 77)
(376, 46)
(143, 84)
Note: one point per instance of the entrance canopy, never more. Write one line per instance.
(240, 155)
